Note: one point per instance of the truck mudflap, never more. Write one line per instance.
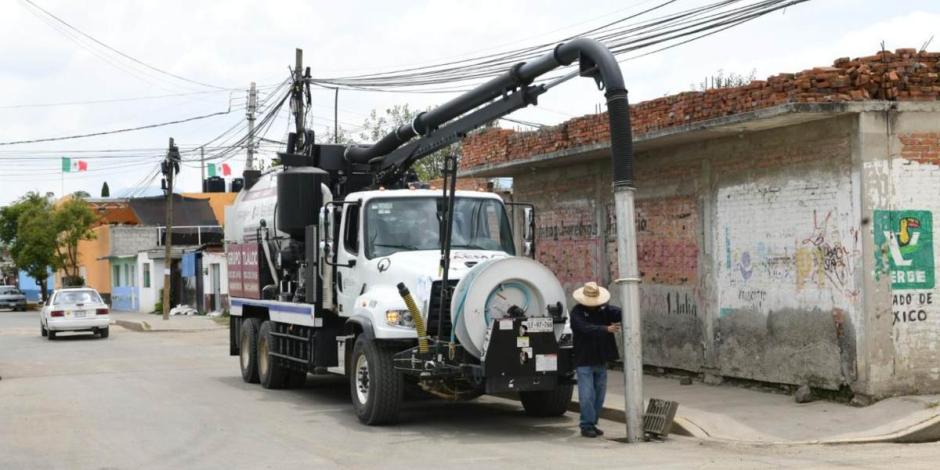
(520, 355)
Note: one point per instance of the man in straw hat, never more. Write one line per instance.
(594, 323)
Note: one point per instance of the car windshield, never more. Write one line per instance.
(8, 291)
(410, 224)
(77, 297)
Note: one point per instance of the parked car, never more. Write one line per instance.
(79, 309)
(11, 297)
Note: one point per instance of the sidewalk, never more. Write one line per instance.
(148, 322)
(724, 412)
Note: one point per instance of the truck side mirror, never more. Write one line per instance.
(528, 232)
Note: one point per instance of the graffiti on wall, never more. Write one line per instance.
(664, 300)
(786, 245)
(824, 260)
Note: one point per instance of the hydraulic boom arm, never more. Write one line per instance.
(392, 155)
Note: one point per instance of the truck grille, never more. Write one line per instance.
(434, 310)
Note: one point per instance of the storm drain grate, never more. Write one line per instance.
(658, 418)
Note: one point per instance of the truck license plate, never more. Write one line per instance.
(539, 325)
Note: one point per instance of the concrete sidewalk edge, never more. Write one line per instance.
(132, 325)
(924, 431)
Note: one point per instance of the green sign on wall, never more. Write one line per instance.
(905, 239)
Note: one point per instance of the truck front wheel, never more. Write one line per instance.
(375, 385)
(547, 403)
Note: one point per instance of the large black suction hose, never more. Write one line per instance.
(592, 55)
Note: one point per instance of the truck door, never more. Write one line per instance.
(348, 282)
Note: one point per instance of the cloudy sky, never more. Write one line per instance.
(56, 83)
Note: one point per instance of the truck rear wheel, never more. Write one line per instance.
(271, 372)
(547, 403)
(248, 349)
(375, 385)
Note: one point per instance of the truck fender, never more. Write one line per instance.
(359, 324)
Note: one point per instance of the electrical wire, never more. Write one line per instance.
(120, 53)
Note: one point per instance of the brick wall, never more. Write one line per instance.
(901, 75)
(921, 147)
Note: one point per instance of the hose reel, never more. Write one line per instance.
(498, 289)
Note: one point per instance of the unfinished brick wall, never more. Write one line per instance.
(901, 75)
(921, 147)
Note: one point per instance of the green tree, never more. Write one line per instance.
(32, 240)
(378, 125)
(105, 190)
(73, 221)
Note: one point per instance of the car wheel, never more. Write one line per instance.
(42, 330)
(103, 333)
(51, 335)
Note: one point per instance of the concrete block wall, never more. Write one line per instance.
(129, 240)
(900, 168)
(748, 250)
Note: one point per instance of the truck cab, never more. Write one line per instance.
(387, 237)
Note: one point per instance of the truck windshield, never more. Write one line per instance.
(411, 224)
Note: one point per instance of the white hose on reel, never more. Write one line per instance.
(487, 292)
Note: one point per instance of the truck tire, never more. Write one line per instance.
(271, 373)
(375, 385)
(248, 349)
(547, 403)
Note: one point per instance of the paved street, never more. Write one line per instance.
(176, 400)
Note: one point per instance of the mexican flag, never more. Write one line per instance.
(219, 169)
(70, 166)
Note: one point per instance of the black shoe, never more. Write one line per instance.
(598, 431)
(588, 432)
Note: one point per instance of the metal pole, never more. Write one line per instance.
(168, 232)
(628, 285)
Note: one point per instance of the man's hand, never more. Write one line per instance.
(613, 328)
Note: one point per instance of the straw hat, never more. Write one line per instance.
(591, 295)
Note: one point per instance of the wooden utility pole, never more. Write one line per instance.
(170, 168)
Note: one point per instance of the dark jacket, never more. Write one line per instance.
(593, 345)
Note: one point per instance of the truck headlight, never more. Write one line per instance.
(399, 318)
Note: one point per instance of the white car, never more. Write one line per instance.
(79, 309)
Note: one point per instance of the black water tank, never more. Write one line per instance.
(299, 199)
(251, 177)
(213, 184)
(237, 184)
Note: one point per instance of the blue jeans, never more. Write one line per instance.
(592, 387)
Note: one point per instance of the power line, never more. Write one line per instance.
(116, 131)
(122, 54)
(110, 100)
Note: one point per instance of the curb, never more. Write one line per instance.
(140, 326)
(924, 431)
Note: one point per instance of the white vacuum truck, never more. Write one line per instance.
(337, 265)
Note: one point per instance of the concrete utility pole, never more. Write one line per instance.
(202, 168)
(628, 285)
(252, 107)
(170, 168)
(336, 115)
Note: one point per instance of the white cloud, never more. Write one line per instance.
(234, 42)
